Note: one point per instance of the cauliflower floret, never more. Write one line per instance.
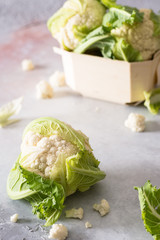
(14, 218)
(135, 122)
(140, 36)
(74, 213)
(103, 208)
(43, 152)
(27, 65)
(57, 79)
(58, 231)
(44, 90)
(88, 225)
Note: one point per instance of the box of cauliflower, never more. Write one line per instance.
(109, 51)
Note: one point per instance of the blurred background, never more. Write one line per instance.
(15, 14)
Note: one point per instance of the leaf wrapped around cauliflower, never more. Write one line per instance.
(55, 161)
(75, 20)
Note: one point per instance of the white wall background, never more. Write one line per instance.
(15, 14)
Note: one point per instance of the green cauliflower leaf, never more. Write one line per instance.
(149, 198)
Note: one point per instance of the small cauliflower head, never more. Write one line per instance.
(141, 35)
(136, 122)
(75, 213)
(58, 231)
(54, 150)
(75, 20)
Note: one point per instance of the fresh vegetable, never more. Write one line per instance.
(152, 100)
(134, 34)
(8, 110)
(58, 232)
(149, 198)
(55, 161)
(75, 20)
(135, 122)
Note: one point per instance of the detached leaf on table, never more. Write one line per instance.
(149, 198)
(8, 110)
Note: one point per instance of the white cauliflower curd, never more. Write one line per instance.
(141, 36)
(39, 153)
(136, 122)
(27, 65)
(58, 231)
(103, 208)
(57, 79)
(44, 90)
(14, 218)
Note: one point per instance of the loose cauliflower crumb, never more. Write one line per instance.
(140, 36)
(44, 90)
(103, 208)
(57, 79)
(43, 152)
(27, 65)
(74, 213)
(88, 225)
(135, 122)
(58, 231)
(14, 218)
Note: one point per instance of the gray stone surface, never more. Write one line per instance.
(129, 159)
(15, 14)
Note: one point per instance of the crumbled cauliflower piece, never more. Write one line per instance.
(57, 79)
(58, 231)
(88, 225)
(14, 218)
(44, 90)
(135, 122)
(27, 65)
(140, 36)
(103, 208)
(74, 213)
(43, 152)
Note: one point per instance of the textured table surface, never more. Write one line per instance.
(129, 159)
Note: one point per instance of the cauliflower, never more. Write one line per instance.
(75, 20)
(55, 161)
(58, 231)
(103, 208)
(27, 65)
(135, 122)
(74, 213)
(88, 225)
(140, 36)
(57, 79)
(44, 90)
(43, 152)
(14, 218)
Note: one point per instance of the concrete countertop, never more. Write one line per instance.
(129, 159)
